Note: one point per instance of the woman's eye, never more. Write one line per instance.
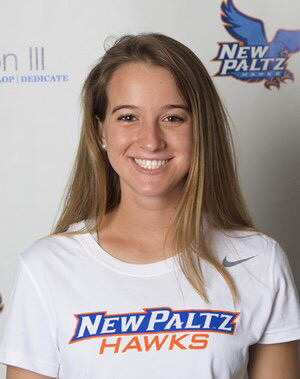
(126, 117)
(173, 118)
(130, 117)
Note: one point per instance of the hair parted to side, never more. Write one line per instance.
(211, 189)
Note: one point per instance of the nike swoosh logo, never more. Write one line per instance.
(226, 263)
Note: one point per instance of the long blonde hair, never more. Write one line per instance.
(211, 188)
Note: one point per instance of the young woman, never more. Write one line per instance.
(155, 268)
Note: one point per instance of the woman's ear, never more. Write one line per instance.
(101, 131)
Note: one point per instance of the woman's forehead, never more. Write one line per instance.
(142, 82)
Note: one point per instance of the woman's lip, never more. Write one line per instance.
(154, 171)
(152, 159)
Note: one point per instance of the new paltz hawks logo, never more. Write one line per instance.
(154, 329)
(252, 58)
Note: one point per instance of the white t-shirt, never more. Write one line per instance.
(77, 312)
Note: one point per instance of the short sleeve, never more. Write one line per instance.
(28, 340)
(284, 320)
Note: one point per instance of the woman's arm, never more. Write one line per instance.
(13, 372)
(274, 361)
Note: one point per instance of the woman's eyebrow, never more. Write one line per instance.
(164, 107)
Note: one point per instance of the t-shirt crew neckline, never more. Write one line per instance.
(134, 269)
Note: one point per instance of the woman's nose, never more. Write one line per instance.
(151, 136)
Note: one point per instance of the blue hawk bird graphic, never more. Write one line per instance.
(250, 31)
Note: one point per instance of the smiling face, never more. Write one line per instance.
(147, 119)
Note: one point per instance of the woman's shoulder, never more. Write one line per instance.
(52, 247)
(237, 246)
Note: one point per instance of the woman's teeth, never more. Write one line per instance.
(150, 164)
